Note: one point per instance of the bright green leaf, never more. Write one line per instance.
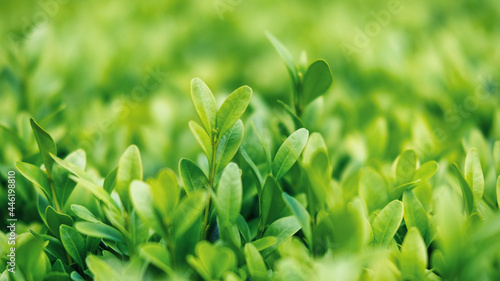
(413, 259)
(229, 193)
(232, 109)
(228, 145)
(255, 263)
(386, 223)
(474, 174)
(406, 166)
(46, 145)
(73, 243)
(289, 152)
(192, 176)
(302, 216)
(129, 169)
(204, 103)
(99, 230)
(316, 82)
(414, 213)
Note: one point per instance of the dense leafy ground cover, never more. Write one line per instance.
(382, 164)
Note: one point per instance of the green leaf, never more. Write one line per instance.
(99, 230)
(211, 262)
(36, 176)
(282, 229)
(386, 223)
(296, 120)
(426, 171)
(316, 82)
(63, 185)
(286, 56)
(110, 181)
(302, 216)
(56, 219)
(129, 169)
(142, 200)
(414, 213)
(255, 263)
(202, 138)
(271, 202)
(397, 192)
(373, 190)
(83, 213)
(98, 192)
(103, 271)
(228, 145)
(45, 144)
(188, 211)
(406, 166)
(74, 244)
(265, 242)
(243, 228)
(289, 152)
(157, 255)
(192, 176)
(229, 193)
(466, 190)
(232, 109)
(253, 167)
(474, 174)
(413, 259)
(204, 103)
(165, 191)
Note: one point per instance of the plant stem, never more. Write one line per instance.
(211, 178)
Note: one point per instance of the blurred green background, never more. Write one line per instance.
(101, 75)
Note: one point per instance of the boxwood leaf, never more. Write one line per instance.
(413, 259)
(129, 169)
(142, 200)
(302, 216)
(264, 242)
(157, 255)
(36, 176)
(202, 138)
(165, 191)
(188, 212)
(253, 167)
(316, 82)
(56, 219)
(414, 213)
(255, 263)
(282, 229)
(373, 189)
(229, 193)
(192, 176)
(99, 230)
(289, 152)
(233, 108)
(110, 181)
(74, 244)
(271, 202)
(243, 228)
(386, 223)
(228, 145)
(204, 103)
(406, 166)
(474, 174)
(63, 185)
(46, 145)
(467, 195)
(83, 213)
(426, 171)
